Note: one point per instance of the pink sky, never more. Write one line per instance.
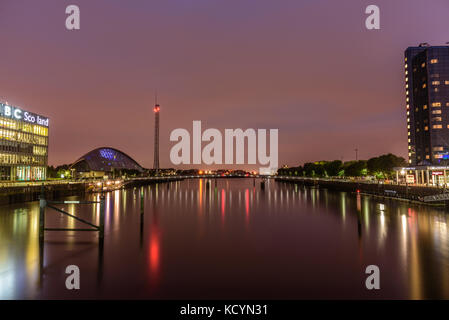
(307, 68)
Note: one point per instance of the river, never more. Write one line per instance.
(228, 239)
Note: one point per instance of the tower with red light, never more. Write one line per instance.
(156, 110)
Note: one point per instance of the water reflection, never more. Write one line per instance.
(239, 237)
(154, 246)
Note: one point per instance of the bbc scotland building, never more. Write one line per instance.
(23, 145)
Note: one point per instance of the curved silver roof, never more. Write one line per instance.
(106, 159)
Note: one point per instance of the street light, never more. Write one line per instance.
(403, 174)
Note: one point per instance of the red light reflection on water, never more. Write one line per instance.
(223, 204)
(247, 205)
(154, 250)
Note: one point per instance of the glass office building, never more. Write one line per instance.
(23, 145)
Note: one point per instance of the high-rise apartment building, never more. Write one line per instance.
(427, 104)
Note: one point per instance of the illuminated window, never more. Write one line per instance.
(437, 119)
(437, 126)
(425, 107)
(406, 66)
(41, 151)
(426, 128)
(427, 156)
(446, 82)
(20, 136)
(437, 148)
(434, 61)
(436, 104)
(436, 83)
(423, 65)
(436, 89)
(408, 113)
(424, 85)
(409, 140)
(436, 111)
(408, 133)
(408, 127)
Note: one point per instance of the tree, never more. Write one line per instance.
(382, 166)
(333, 167)
(355, 168)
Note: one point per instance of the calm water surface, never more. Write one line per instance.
(233, 240)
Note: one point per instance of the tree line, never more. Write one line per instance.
(379, 167)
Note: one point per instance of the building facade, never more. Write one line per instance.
(427, 104)
(105, 161)
(23, 145)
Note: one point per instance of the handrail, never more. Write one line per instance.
(43, 204)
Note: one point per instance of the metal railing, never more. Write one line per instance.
(43, 204)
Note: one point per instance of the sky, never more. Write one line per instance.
(308, 68)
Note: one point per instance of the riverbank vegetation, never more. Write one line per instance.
(378, 167)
